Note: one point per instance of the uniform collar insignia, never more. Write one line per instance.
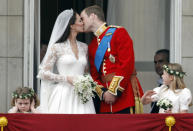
(100, 30)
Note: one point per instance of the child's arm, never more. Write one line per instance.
(184, 111)
(146, 98)
(14, 109)
(33, 109)
(185, 100)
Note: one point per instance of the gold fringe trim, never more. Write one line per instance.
(138, 106)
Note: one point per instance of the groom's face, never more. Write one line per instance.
(86, 21)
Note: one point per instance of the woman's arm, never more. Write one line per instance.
(45, 72)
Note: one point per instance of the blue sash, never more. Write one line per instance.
(102, 48)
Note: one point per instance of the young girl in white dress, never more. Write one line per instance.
(173, 89)
(69, 57)
(24, 100)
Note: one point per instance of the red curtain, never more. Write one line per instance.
(106, 122)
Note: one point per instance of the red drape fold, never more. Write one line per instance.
(107, 122)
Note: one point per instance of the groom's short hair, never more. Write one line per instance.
(97, 10)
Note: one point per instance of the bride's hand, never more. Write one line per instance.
(71, 79)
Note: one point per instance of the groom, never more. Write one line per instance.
(111, 59)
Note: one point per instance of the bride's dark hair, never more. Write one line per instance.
(67, 31)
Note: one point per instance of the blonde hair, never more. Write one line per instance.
(178, 82)
(25, 91)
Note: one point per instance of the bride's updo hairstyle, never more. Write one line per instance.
(67, 31)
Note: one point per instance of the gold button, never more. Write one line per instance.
(104, 67)
(105, 72)
(98, 40)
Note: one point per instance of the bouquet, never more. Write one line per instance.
(165, 104)
(84, 87)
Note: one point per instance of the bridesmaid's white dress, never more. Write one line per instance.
(180, 99)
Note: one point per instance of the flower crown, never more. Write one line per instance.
(173, 72)
(24, 95)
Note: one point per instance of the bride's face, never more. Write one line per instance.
(78, 25)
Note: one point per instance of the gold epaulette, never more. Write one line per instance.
(115, 26)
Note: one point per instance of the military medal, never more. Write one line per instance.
(112, 58)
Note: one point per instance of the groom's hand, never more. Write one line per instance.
(109, 98)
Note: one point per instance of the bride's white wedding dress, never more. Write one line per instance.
(62, 98)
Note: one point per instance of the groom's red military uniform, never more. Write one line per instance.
(116, 68)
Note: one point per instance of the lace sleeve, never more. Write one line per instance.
(46, 70)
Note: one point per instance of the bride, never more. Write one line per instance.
(65, 60)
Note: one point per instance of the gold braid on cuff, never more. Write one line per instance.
(99, 91)
(115, 85)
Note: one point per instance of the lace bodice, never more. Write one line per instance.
(61, 58)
